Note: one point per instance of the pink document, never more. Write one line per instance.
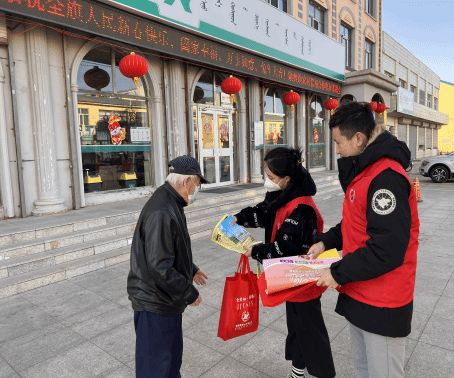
(287, 272)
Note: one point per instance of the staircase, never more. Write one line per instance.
(33, 257)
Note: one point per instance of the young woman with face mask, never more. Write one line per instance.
(291, 221)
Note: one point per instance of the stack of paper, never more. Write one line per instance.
(285, 273)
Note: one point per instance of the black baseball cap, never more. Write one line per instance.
(187, 165)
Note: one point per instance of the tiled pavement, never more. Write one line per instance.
(83, 327)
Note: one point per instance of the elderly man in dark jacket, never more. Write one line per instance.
(160, 282)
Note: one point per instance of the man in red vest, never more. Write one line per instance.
(378, 236)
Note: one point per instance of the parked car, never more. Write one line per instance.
(438, 168)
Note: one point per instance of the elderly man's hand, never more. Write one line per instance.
(326, 279)
(314, 251)
(199, 278)
(197, 301)
(248, 252)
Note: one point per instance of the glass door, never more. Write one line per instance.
(216, 149)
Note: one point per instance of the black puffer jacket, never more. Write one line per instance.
(160, 279)
(296, 235)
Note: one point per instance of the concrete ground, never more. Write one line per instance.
(83, 327)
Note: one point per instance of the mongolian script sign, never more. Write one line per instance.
(105, 21)
(254, 25)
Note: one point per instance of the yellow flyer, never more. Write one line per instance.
(232, 236)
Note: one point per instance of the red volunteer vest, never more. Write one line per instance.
(395, 288)
(282, 214)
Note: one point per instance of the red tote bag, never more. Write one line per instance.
(240, 304)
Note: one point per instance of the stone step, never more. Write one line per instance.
(46, 276)
(68, 228)
(26, 264)
(195, 216)
(35, 260)
(36, 246)
(65, 229)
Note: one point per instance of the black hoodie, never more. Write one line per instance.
(389, 238)
(293, 238)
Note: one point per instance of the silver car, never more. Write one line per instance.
(438, 168)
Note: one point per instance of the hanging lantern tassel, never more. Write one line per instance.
(136, 82)
(232, 98)
(332, 111)
(292, 107)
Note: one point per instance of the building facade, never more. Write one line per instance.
(414, 114)
(76, 132)
(357, 25)
(446, 133)
(354, 23)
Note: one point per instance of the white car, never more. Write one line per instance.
(438, 168)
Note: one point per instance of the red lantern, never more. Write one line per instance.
(231, 86)
(331, 104)
(291, 98)
(380, 108)
(97, 78)
(373, 105)
(133, 66)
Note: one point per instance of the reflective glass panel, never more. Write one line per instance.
(224, 168)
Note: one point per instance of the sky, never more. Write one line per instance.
(426, 29)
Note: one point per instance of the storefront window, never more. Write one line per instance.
(114, 125)
(275, 122)
(317, 148)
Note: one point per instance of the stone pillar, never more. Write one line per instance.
(242, 144)
(408, 139)
(302, 126)
(78, 172)
(49, 200)
(432, 143)
(175, 101)
(417, 143)
(6, 187)
(255, 115)
(158, 142)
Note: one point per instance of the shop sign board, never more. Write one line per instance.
(225, 100)
(254, 25)
(405, 101)
(102, 20)
(140, 135)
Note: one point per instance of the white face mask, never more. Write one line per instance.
(192, 197)
(271, 186)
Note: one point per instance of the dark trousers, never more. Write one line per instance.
(307, 344)
(159, 345)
